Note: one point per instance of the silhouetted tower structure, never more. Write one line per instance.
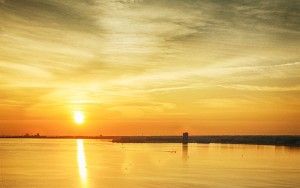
(185, 138)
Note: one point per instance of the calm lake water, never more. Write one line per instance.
(98, 163)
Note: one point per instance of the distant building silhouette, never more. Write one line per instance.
(185, 138)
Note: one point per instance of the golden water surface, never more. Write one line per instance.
(99, 163)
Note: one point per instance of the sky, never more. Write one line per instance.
(149, 67)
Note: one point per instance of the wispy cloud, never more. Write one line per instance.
(110, 53)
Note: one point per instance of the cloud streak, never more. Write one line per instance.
(82, 54)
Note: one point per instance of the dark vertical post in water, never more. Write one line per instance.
(185, 138)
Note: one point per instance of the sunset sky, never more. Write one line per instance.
(149, 67)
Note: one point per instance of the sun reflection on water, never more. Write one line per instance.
(81, 162)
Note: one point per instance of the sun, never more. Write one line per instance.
(78, 117)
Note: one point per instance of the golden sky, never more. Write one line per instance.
(149, 67)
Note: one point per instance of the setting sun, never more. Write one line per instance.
(78, 117)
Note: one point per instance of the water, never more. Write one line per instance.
(98, 163)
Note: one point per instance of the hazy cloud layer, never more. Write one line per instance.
(144, 59)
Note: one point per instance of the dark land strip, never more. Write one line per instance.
(278, 140)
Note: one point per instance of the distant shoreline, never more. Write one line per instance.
(61, 137)
(278, 140)
(283, 140)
